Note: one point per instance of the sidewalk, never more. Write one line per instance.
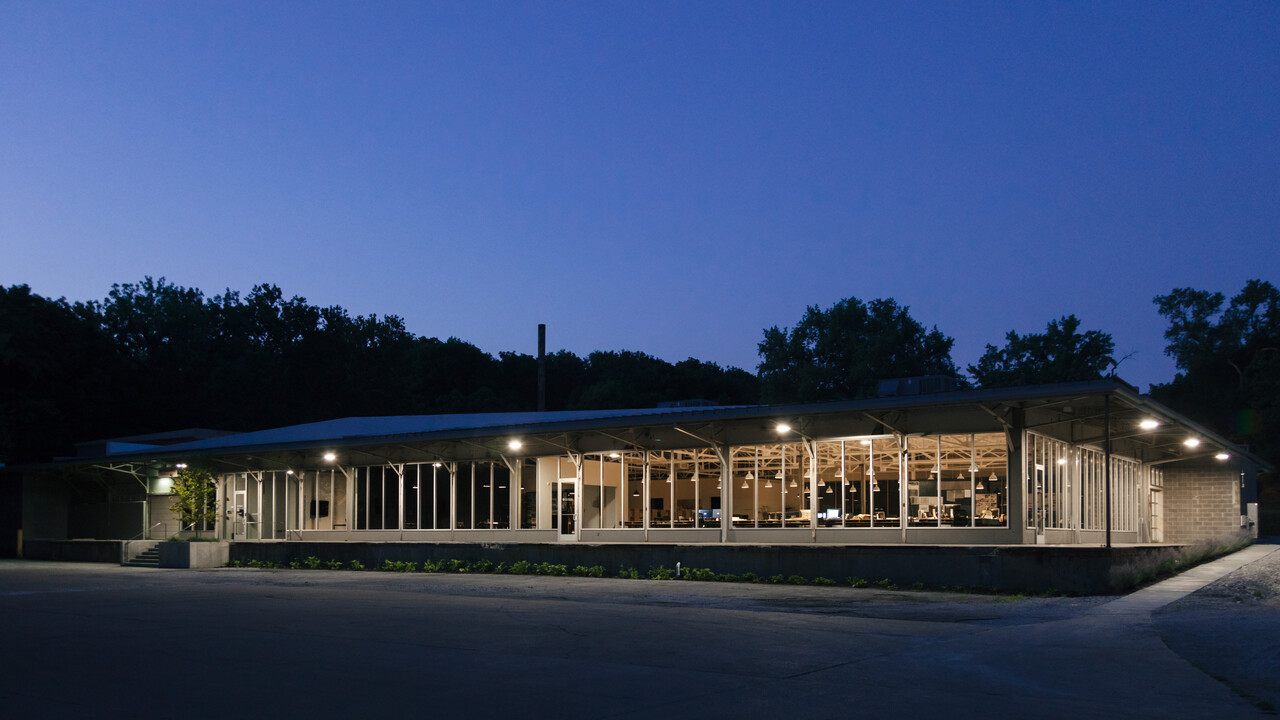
(1150, 599)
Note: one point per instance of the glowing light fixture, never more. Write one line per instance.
(1149, 424)
(330, 457)
(614, 455)
(1191, 442)
(829, 490)
(515, 444)
(745, 486)
(1223, 456)
(1062, 461)
(181, 466)
(783, 428)
(288, 472)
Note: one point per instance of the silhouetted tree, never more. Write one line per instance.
(1228, 359)
(842, 352)
(1059, 354)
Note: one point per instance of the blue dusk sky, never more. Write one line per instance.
(670, 178)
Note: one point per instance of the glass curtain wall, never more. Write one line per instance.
(1066, 487)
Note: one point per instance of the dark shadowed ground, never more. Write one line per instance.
(85, 640)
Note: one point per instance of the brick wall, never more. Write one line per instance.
(1201, 504)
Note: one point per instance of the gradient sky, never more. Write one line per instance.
(665, 177)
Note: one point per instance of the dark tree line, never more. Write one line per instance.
(155, 356)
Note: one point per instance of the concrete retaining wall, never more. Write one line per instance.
(1022, 568)
(103, 551)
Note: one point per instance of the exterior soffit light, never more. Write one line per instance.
(330, 457)
(1149, 424)
(515, 444)
(783, 428)
(614, 455)
(1191, 442)
(1223, 456)
(181, 466)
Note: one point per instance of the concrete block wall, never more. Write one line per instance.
(1201, 503)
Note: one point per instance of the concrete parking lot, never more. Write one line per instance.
(103, 641)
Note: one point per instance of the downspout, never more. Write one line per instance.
(1106, 429)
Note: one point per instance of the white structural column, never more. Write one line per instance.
(726, 491)
(811, 457)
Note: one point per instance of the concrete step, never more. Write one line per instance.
(149, 557)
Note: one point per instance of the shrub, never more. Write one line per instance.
(593, 571)
(356, 565)
(856, 582)
(334, 564)
(727, 577)
(295, 565)
(481, 566)
(917, 586)
(521, 567)
(887, 584)
(312, 562)
(553, 569)
(797, 580)
(661, 573)
(699, 574)
(775, 579)
(233, 563)
(629, 573)
(750, 577)
(500, 568)
(823, 581)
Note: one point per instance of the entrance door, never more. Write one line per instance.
(566, 510)
(238, 515)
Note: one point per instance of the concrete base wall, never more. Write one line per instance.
(103, 551)
(1025, 569)
(194, 554)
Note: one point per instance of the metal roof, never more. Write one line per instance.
(1076, 406)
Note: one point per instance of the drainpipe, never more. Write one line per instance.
(1106, 429)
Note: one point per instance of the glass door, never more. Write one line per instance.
(566, 507)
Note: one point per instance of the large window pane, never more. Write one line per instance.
(746, 473)
(885, 483)
(991, 497)
(958, 474)
(707, 482)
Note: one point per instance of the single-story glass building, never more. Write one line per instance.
(1077, 463)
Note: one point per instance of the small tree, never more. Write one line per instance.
(195, 496)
